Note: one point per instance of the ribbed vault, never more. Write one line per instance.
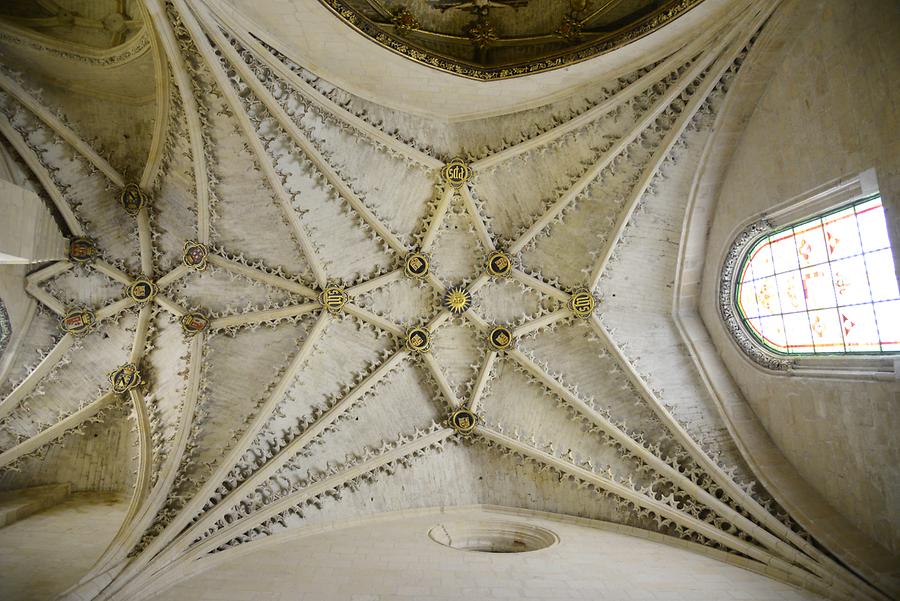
(263, 194)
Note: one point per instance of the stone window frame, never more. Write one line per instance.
(821, 200)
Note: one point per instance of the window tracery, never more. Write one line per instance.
(821, 286)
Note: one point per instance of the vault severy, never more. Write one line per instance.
(295, 395)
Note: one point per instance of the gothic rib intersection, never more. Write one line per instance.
(663, 478)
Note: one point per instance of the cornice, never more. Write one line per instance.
(607, 43)
(112, 57)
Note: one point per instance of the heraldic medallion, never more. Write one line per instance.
(499, 264)
(500, 338)
(194, 322)
(418, 340)
(416, 265)
(463, 421)
(132, 199)
(125, 378)
(142, 290)
(195, 255)
(82, 250)
(78, 321)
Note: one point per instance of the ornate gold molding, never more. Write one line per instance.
(602, 44)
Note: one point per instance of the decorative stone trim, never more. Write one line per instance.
(727, 285)
(355, 19)
(5, 328)
(130, 50)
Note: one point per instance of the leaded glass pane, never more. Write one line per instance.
(880, 266)
(872, 225)
(842, 234)
(826, 330)
(850, 282)
(826, 285)
(799, 335)
(767, 296)
(860, 330)
(790, 292)
(810, 244)
(784, 252)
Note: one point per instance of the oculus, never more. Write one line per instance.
(456, 173)
(333, 299)
(132, 199)
(457, 300)
(492, 536)
(463, 421)
(417, 265)
(142, 290)
(195, 255)
(499, 264)
(582, 303)
(126, 377)
(194, 322)
(418, 340)
(78, 321)
(82, 250)
(500, 338)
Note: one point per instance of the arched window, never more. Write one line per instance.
(825, 285)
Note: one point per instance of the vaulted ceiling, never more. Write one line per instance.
(273, 223)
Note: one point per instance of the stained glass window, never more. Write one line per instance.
(826, 285)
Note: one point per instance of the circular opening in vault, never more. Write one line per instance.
(492, 536)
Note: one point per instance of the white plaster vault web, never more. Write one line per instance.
(282, 415)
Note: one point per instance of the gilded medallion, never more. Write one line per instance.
(78, 321)
(582, 303)
(500, 338)
(499, 264)
(463, 421)
(418, 340)
(417, 265)
(195, 255)
(126, 377)
(82, 250)
(194, 322)
(456, 173)
(333, 299)
(132, 199)
(142, 290)
(457, 300)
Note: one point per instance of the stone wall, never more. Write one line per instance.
(828, 112)
(372, 560)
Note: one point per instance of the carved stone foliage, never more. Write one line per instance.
(5, 328)
(353, 382)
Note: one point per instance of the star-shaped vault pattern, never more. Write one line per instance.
(295, 242)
